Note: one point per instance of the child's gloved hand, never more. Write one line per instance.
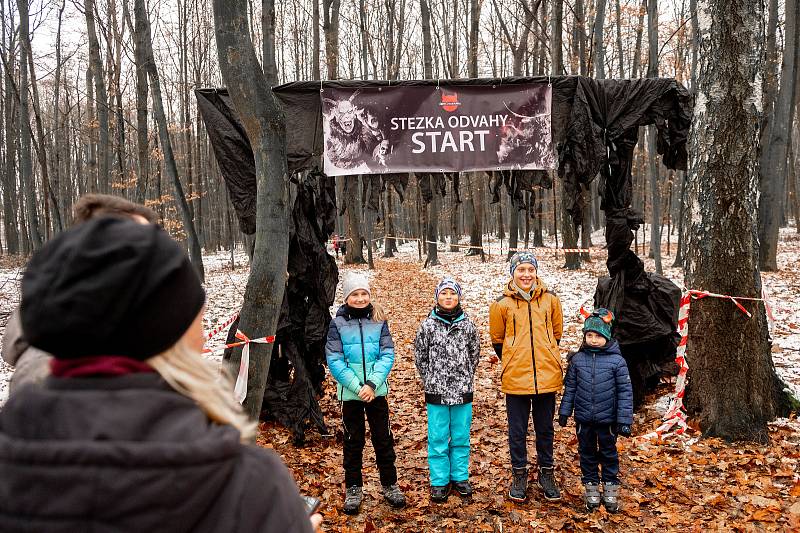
(562, 420)
(623, 430)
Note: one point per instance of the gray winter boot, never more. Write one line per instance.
(611, 497)
(591, 496)
(547, 482)
(352, 499)
(518, 492)
(393, 495)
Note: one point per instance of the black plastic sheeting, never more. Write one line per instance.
(595, 126)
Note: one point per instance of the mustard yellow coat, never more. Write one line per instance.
(529, 333)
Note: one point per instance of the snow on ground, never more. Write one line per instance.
(483, 282)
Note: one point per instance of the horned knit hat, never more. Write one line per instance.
(354, 281)
(522, 257)
(448, 283)
(600, 321)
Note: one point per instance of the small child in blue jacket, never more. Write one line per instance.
(360, 354)
(598, 388)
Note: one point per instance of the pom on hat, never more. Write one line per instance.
(522, 257)
(353, 282)
(448, 283)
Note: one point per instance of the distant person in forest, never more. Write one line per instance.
(446, 352)
(598, 390)
(134, 430)
(360, 354)
(525, 324)
(31, 364)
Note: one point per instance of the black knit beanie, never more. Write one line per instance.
(109, 286)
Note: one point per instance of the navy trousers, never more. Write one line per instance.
(597, 446)
(519, 409)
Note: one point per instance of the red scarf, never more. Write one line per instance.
(96, 366)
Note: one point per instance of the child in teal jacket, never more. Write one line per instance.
(360, 354)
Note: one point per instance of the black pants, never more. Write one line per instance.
(377, 412)
(597, 446)
(519, 409)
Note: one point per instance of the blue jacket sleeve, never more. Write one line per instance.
(383, 364)
(340, 370)
(570, 386)
(421, 354)
(624, 393)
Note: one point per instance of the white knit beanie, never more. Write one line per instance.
(354, 281)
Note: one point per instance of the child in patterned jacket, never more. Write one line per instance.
(447, 349)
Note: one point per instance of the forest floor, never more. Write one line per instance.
(679, 483)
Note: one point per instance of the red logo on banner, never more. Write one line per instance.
(450, 101)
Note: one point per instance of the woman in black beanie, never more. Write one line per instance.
(133, 431)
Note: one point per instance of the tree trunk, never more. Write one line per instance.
(330, 27)
(620, 50)
(599, 44)
(734, 389)
(773, 171)
(315, 73)
(195, 253)
(264, 124)
(474, 38)
(101, 99)
(10, 198)
(556, 45)
(142, 144)
(352, 214)
(26, 177)
(652, 72)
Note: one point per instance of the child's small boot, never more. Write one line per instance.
(611, 497)
(353, 497)
(519, 485)
(547, 482)
(393, 495)
(591, 496)
(463, 488)
(439, 494)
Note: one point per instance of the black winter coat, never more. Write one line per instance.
(129, 454)
(598, 387)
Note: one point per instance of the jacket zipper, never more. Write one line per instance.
(593, 369)
(533, 355)
(363, 354)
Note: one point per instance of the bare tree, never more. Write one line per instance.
(101, 97)
(250, 92)
(655, 202)
(732, 401)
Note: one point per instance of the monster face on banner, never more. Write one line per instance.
(435, 129)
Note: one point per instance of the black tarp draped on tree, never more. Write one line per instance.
(595, 127)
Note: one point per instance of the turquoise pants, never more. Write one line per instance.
(448, 442)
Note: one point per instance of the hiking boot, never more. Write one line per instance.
(611, 497)
(439, 494)
(353, 497)
(393, 495)
(463, 488)
(591, 496)
(547, 482)
(519, 485)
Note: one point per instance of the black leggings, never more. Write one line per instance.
(377, 412)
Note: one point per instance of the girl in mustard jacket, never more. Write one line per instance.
(525, 324)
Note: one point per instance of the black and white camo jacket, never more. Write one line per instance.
(446, 355)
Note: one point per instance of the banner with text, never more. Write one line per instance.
(437, 129)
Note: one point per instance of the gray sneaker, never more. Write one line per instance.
(353, 497)
(393, 495)
(591, 496)
(611, 497)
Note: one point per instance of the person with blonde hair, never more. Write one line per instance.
(133, 430)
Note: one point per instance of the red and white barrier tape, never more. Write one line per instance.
(216, 331)
(240, 389)
(675, 415)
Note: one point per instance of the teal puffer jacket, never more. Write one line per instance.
(360, 351)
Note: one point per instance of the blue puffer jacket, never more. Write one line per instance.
(359, 351)
(598, 387)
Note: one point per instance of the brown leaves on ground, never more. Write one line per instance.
(671, 485)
